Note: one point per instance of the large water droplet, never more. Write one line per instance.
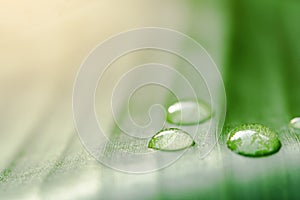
(188, 112)
(172, 139)
(253, 140)
(295, 123)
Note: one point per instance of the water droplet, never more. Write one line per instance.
(172, 139)
(253, 140)
(295, 123)
(188, 112)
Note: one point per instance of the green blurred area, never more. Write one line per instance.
(262, 79)
(263, 69)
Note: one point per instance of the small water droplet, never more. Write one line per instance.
(172, 139)
(188, 112)
(295, 123)
(253, 140)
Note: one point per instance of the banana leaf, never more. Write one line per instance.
(256, 45)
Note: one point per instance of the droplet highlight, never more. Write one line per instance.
(188, 112)
(253, 140)
(172, 139)
(295, 123)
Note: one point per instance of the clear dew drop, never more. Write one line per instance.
(253, 140)
(172, 139)
(188, 112)
(295, 123)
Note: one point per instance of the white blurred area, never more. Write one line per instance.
(50, 38)
(43, 43)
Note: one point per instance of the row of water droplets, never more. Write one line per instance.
(253, 140)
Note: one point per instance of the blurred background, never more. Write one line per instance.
(255, 44)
